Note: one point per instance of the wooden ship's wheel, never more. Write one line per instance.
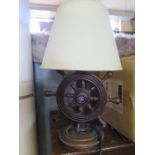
(81, 98)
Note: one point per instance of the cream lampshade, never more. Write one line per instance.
(81, 39)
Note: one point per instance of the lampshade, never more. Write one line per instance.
(81, 38)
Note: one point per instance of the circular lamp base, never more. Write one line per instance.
(80, 140)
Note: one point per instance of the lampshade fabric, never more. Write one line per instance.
(81, 38)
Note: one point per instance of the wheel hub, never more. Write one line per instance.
(81, 97)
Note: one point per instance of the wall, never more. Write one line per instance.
(27, 125)
(125, 122)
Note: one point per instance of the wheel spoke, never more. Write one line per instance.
(81, 110)
(92, 89)
(90, 107)
(69, 95)
(83, 84)
(93, 98)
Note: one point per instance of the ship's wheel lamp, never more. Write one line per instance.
(81, 40)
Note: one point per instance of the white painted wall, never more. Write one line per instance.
(27, 129)
(27, 137)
